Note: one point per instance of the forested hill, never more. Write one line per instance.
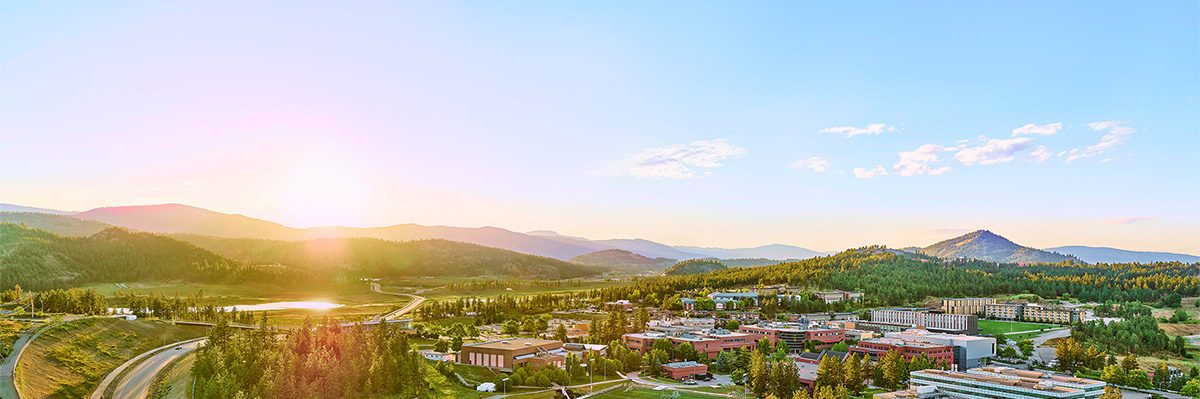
(619, 258)
(985, 245)
(63, 225)
(37, 259)
(695, 266)
(380, 258)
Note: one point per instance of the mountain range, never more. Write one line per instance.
(184, 219)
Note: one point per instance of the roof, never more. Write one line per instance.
(1036, 384)
(682, 364)
(514, 344)
(735, 294)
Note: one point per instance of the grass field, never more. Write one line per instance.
(355, 293)
(177, 382)
(9, 331)
(1014, 330)
(643, 393)
(70, 359)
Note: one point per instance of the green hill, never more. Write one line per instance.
(695, 266)
(619, 258)
(380, 258)
(58, 224)
(38, 259)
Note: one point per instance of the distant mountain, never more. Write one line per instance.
(622, 259)
(380, 258)
(774, 251)
(183, 219)
(985, 245)
(1114, 255)
(649, 248)
(695, 266)
(62, 225)
(19, 208)
(754, 262)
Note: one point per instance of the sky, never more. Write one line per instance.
(826, 125)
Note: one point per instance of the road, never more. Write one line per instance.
(1048, 354)
(410, 306)
(136, 383)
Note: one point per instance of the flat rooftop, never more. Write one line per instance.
(1035, 384)
(901, 342)
(514, 344)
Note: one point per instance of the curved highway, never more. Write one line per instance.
(136, 383)
(417, 300)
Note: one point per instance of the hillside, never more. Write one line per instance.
(775, 251)
(622, 259)
(985, 245)
(380, 258)
(1114, 255)
(38, 259)
(754, 262)
(58, 224)
(30, 209)
(695, 266)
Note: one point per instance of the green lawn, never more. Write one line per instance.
(68, 360)
(9, 331)
(1014, 330)
(643, 393)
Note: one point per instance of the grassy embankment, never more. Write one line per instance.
(9, 331)
(70, 359)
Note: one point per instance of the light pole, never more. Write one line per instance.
(504, 382)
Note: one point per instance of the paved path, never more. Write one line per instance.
(1048, 354)
(136, 383)
(410, 306)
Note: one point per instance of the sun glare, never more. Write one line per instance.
(323, 191)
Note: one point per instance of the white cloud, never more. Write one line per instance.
(863, 173)
(993, 152)
(1115, 133)
(1040, 154)
(679, 161)
(873, 129)
(815, 164)
(920, 161)
(1125, 220)
(1048, 129)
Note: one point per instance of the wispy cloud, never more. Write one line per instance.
(1125, 220)
(864, 173)
(815, 164)
(873, 129)
(1048, 129)
(993, 152)
(1115, 133)
(1040, 154)
(680, 161)
(920, 161)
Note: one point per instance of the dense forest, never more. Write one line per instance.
(695, 266)
(326, 361)
(380, 258)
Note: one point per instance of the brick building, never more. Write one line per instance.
(510, 353)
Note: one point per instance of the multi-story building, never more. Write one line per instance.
(510, 353)
(839, 296)
(709, 342)
(619, 305)
(1033, 313)
(876, 347)
(898, 319)
(973, 306)
(1002, 382)
(924, 392)
(735, 296)
(795, 334)
(969, 350)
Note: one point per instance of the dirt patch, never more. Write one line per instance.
(1180, 329)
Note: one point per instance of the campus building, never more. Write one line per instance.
(1003, 382)
(969, 350)
(839, 296)
(795, 334)
(509, 353)
(892, 320)
(1033, 313)
(710, 342)
(734, 296)
(877, 347)
(684, 370)
(973, 306)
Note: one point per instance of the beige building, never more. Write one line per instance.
(510, 353)
(973, 306)
(1032, 313)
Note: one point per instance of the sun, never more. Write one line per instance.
(326, 191)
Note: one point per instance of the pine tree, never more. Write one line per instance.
(854, 376)
(759, 373)
(829, 372)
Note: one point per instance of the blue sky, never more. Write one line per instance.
(681, 122)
